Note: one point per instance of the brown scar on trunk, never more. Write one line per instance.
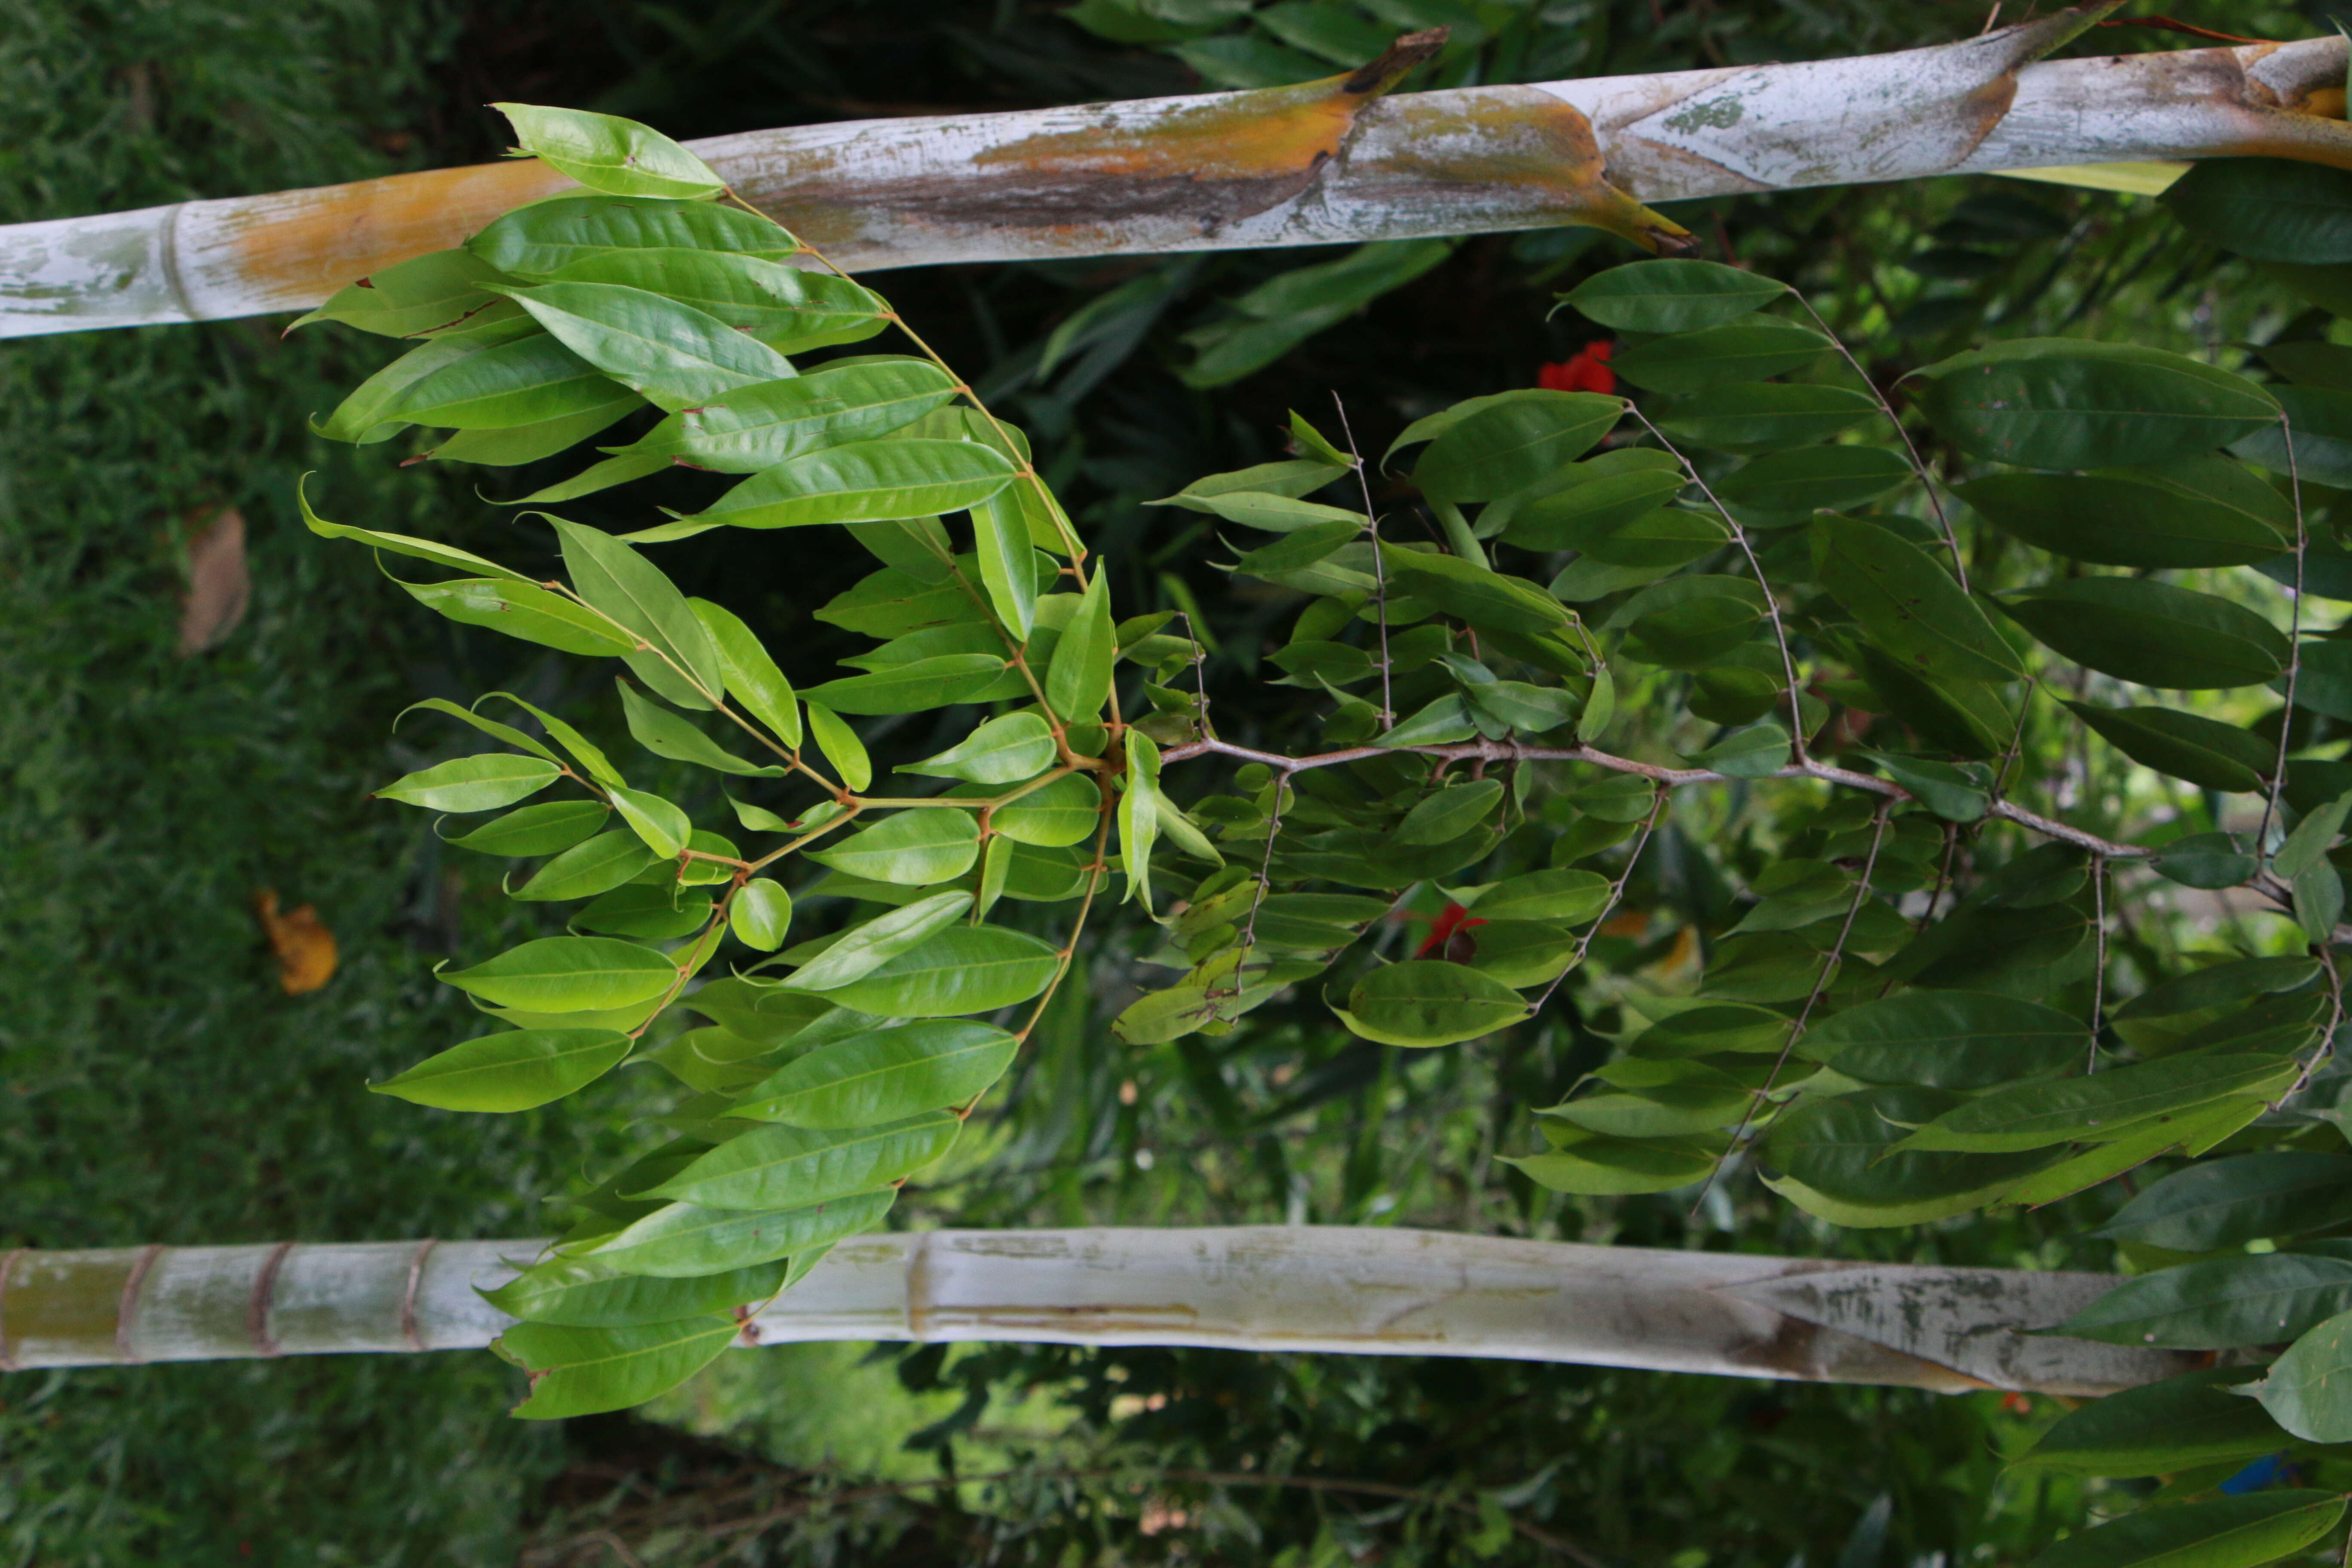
(1231, 157)
(313, 242)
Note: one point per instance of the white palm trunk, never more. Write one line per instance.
(1235, 171)
(1357, 1290)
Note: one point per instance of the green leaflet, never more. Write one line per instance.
(1603, 1166)
(366, 417)
(1442, 722)
(2037, 1115)
(594, 865)
(1490, 447)
(660, 823)
(777, 1166)
(1569, 896)
(2267, 209)
(963, 969)
(672, 354)
(1062, 813)
(543, 238)
(1428, 1002)
(526, 611)
(599, 767)
(410, 299)
(2226, 1202)
(760, 426)
(665, 734)
(581, 1294)
(1837, 1158)
(2194, 511)
(2153, 633)
(528, 443)
(883, 1076)
(2159, 1428)
(1656, 1100)
(841, 746)
(528, 381)
(865, 481)
(1764, 417)
(1745, 349)
(544, 829)
(682, 1241)
(1077, 683)
(866, 947)
(787, 308)
(1139, 810)
(1813, 477)
(1458, 587)
(761, 913)
(1000, 531)
(914, 688)
(1672, 295)
(2064, 403)
(1909, 603)
(1452, 812)
(580, 1372)
(401, 543)
(1003, 750)
(2220, 1305)
(481, 782)
(680, 662)
(2187, 747)
(650, 911)
(2225, 1532)
(603, 153)
(515, 1070)
(767, 1014)
(2306, 1391)
(912, 848)
(568, 975)
(1948, 1039)
(751, 675)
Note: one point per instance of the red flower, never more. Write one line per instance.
(1449, 936)
(1585, 371)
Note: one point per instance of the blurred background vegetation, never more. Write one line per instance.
(161, 1087)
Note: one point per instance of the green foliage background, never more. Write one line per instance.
(160, 1088)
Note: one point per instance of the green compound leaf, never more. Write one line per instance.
(481, 782)
(1815, 477)
(511, 1071)
(1456, 809)
(1428, 1002)
(2064, 403)
(2308, 1391)
(779, 1166)
(1567, 896)
(582, 1372)
(604, 153)
(1764, 416)
(883, 1076)
(2267, 209)
(665, 734)
(568, 975)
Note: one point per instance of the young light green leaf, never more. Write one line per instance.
(841, 747)
(663, 825)
(866, 947)
(1459, 587)
(671, 354)
(761, 913)
(1077, 683)
(649, 912)
(1009, 750)
(582, 1294)
(787, 308)
(1065, 812)
(751, 675)
(545, 237)
(515, 1070)
(595, 866)
(1000, 532)
(523, 444)
(481, 782)
(584, 1371)
(882, 1076)
(491, 727)
(684, 1240)
(779, 1166)
(681, 663)
(585, 752)
(665, 734)
(1602, 1166)
(758, 427)
(1139, 814)
(963, 969)
(568, 975)
(912, 848)
(1441, 723)
(607, 153)
(545, 830)
(524, 610)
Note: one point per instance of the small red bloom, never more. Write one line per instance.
(1585, 371)
(1449, 935)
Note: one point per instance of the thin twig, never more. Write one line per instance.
(2098, 959)
(1608, 905)
(1763, 583)
(1830, 962)
(1918, 464)
(2293, 640)
(1379, 572)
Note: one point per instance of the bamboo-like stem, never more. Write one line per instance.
(1228, 171)
(1358, 1290)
